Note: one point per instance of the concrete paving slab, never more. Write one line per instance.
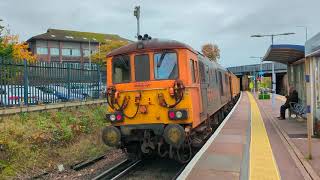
(226, 149)
(213, 175)
(220, 162)
(223, 158)
(223, 138)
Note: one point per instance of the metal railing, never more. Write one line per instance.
(23, 83)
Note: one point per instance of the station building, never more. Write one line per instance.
(293, 57)
(303, 73)
(312, 64)
(58, 45)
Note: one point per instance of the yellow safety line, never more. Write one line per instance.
(262, 162)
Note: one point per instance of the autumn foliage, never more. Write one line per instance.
(11, 48)
(211, 51)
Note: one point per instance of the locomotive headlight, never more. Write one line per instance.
(171, 115)
(112, 117)
(119, 117)
(179, 114)
(115, 117)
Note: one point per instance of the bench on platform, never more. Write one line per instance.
(299, 110)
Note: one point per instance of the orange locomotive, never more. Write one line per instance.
(164, 97)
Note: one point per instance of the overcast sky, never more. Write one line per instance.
(228, 23)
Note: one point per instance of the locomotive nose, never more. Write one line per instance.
(111, 136)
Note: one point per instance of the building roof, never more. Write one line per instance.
(313, 46)
(76, 36)
(150, 45)
(284, 53)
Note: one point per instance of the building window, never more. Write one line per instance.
(42, 50)
(66, 52)
(54, 51)
(75, 52)
(86, 52)
(142, 67)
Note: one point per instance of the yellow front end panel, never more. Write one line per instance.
(155, 113)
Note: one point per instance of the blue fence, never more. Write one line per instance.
(23, 83)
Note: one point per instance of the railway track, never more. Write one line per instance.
(118, 170)
(150, 168)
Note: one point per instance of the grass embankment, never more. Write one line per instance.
(33, 142)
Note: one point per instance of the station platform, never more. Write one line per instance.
(251, 143)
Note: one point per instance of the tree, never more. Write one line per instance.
(11, 48)
(99, 57)
(211, 51)
(5, 49)
(1, 28)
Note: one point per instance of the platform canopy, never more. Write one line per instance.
(313, 46)
(284, 53)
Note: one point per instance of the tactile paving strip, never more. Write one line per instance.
(262, 162)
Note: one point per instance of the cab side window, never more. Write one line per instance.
(221, 84)
(226, 79)
(202, 72)
(121, 70)
(193, 70)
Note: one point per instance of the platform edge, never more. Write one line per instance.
(196, 158)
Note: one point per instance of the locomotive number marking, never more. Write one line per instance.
(142, 84)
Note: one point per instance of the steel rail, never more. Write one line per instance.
(112, 172)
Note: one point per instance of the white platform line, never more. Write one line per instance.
(196, 158)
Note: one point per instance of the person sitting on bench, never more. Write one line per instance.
(292, 97)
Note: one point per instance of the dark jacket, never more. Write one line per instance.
(293, 97)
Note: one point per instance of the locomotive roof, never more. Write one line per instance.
(152, 44)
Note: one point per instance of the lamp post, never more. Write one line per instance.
(95, 40)
(273, 73)
(309, 118)
(272, 35)
(306, 30)
(89, 53)
(136, 13)
(260, 58)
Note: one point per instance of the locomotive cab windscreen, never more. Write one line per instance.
(165, 66)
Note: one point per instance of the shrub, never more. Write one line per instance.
(40, 140)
